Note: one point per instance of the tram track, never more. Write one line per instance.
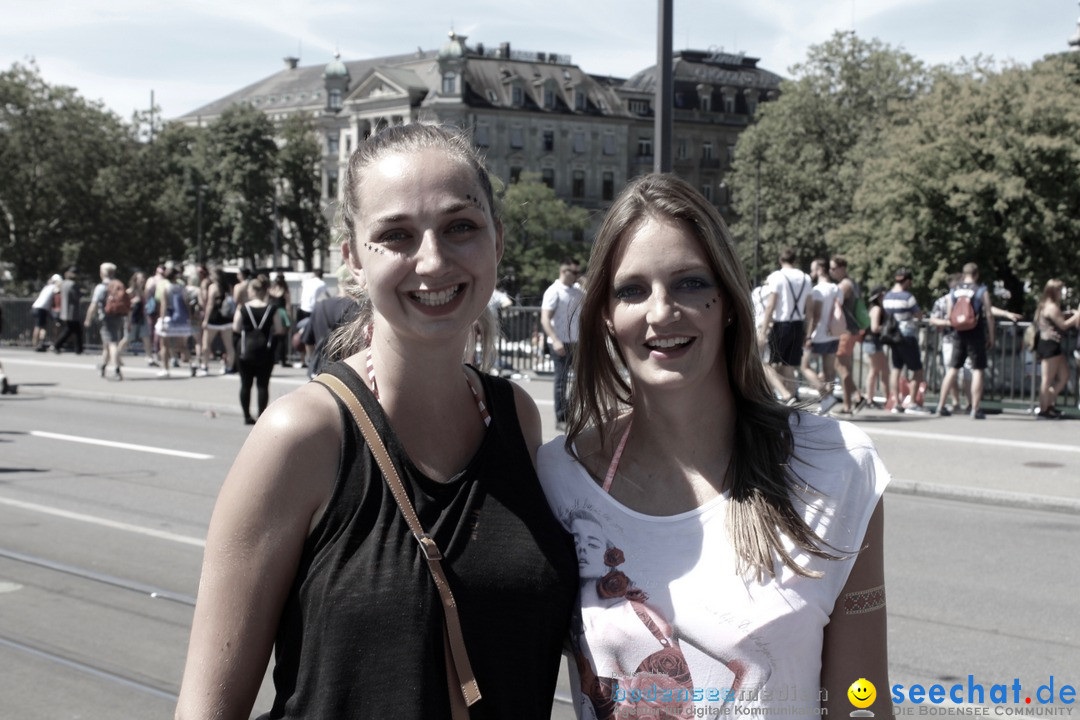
(134, 586)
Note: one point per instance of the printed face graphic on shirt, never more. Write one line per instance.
(590, 544)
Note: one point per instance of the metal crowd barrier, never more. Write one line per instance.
(1013, 372)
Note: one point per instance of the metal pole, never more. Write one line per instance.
(757, 219)
(198, 220)
(664, 91)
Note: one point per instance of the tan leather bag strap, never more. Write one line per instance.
(459, 671)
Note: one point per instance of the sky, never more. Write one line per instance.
(191, 52)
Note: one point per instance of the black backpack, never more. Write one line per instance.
(255, 343)
(890, 332)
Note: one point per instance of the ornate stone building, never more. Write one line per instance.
(586, 135)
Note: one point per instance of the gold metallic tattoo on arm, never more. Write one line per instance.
(864, 601)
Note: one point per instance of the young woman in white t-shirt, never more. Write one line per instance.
(747, 533)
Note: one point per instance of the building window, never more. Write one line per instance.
(639, 107)
(729, 103)
(492, 97)
(335, 99)
(515, 174)
(331, 144)
(706, 150)
(706, 190)
(517, 96)
(482, 136)
(577, 188)
(331, 187)
(449, 83)
(730, 153)
(579, 141)
(549, 99)
(681, 149)
(644, 147)
(348, 144)
(706, 103)
(517, 137)
(579, 100)
(609, 143)
(549, 141)
(751, 103)
(608, 190)
(547, 175)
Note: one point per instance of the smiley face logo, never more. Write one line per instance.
(862, 693)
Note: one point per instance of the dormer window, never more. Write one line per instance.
(517, 95)
(706, 103)
(580, 100)
(729, 103)
(639, 107)
(492, 96)
(549, 98)
(335, 100)
(449, 84)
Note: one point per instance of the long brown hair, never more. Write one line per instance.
(761, 484)
(350, 339)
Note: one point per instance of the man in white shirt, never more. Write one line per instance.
(559, 318)
(785, 315)
(312, 290)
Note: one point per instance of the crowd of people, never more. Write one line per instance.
(187, 324)
(808, 324)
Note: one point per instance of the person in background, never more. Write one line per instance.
(110, 305)
(218, 321)
(901, 303)
(42, 310)
(874, 349)
(559, 318)
(845, 349)
(787, 291)
(153, 314)
(174, 321)
(307, 552)
(974, 343)
(1051, 324)
(256, 322)
(281, 299)
(69, 313)
(819, 343)
(720, 519)
(312, 290)
(136, 329)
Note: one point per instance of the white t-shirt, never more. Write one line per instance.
(679, 572)
(44, 299)
(312, 290)
(824, 293)
(564, 302)
(792, 288)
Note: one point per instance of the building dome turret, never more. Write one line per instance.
(335, 68)
(454, 49)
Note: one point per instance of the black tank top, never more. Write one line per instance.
(361, 631)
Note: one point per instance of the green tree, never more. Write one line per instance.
(539, 230)
(241, 166)
(986, 168)
(54, 146)
(300, 203)
(807, 149)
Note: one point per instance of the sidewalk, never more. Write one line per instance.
(76, 376)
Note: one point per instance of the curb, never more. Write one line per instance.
(999, 498)
(141, 400)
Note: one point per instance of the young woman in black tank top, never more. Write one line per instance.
(307, 552)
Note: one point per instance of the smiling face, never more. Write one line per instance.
(862, 693)
(590, 545)
(426, 243)
(666, 310)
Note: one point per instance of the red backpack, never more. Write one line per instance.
(117, 300)
(963, 315)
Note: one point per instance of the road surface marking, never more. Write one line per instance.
(996, 442)
(122, 445)
(103, 522)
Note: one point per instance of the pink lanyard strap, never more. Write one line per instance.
(614, 466)
(484, 414)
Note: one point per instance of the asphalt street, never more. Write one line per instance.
(106, 490)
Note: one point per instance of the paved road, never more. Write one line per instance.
(100, 544)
